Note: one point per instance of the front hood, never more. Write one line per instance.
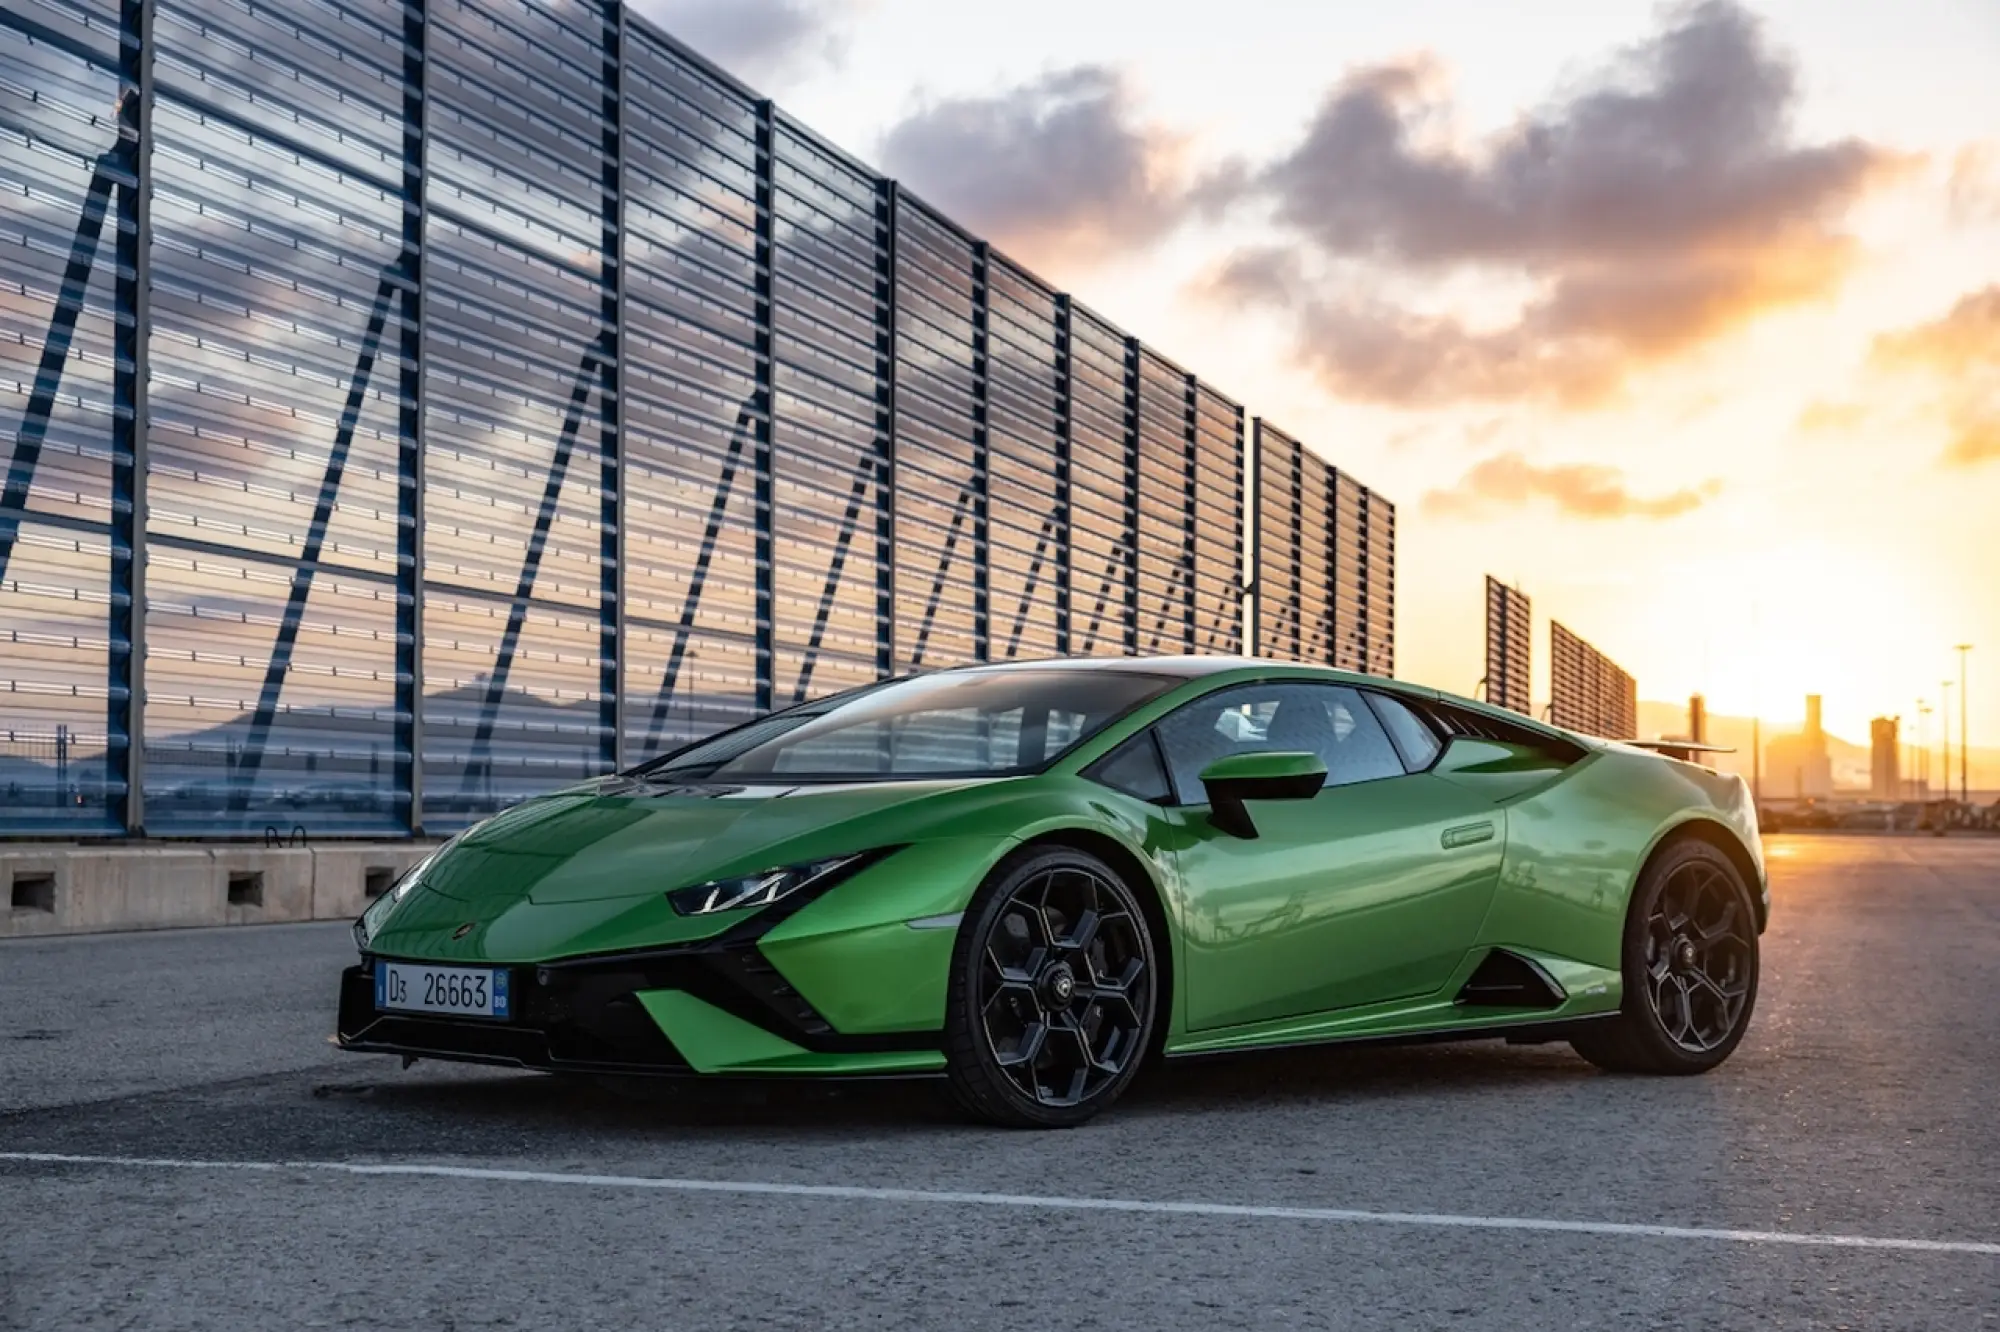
(627, 838)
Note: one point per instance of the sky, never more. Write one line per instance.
(1684, 319)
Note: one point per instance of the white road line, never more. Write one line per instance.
(1037, 1202)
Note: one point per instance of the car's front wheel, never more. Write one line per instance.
(1690, 968)
(1053, 992)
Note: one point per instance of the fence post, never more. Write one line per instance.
(414, 358)
(767, 409)
(886, 197)
(1131, 618)
(127, 683)
(982, 476)
(1065, 555)
(1192, 523)
(611, 406)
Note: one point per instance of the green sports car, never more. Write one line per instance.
(1032, 879)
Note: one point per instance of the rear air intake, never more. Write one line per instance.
(1508, 980)
(1479, 725)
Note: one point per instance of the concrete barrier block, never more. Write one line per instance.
(149, 889)
(36, 883)
(79, 888)
(262, 885)
(69, 890)
(346, 878)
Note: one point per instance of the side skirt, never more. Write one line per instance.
(1565, 992)
(1535, 1031)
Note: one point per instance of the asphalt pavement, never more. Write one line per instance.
(204, 1159)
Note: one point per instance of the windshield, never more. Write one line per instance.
(952, 724)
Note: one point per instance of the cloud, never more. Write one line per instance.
(1960, 353)
(756, 40)
(1578, 490)
(1974, 187)
(1663, 204)
(1964, 340)
(1823, 417)
(1058, 168)
(1267, 273)
(1975, 436)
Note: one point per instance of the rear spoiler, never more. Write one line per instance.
(1684, 750)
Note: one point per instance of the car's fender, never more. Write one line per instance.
(896, 923)
(1576, 848)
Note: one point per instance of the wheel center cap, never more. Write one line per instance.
(1684, 955)
(1058, 985)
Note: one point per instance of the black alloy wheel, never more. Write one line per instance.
(1698, 944)
(1054, 988)
(1690, 968)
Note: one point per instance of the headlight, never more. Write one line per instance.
(754, 890)
(377, 913)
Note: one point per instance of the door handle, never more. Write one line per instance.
(1467, 834)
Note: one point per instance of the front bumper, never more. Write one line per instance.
(675, 1011)
(833, 982)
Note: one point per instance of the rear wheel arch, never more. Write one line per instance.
(1688, 963)
(1723, 839)
(1132, 869)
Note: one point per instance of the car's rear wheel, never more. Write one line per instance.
(1690, 968)
(1053, 992)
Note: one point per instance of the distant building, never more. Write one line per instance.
(1885, 758)
(1798, 765)
(1818, 780)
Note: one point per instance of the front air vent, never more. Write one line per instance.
(1508, 980)
(751, 970)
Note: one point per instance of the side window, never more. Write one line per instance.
(1361, 752)
(1060, 733)
(1412, 734)
(1331, 721)
(1134, 768)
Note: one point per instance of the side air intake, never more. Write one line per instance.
(1480, 725)
(1508, 980)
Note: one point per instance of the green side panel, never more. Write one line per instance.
(1574, 851)
(1592, 990)
(713, 1041)
(1364, 894)
(854, 957)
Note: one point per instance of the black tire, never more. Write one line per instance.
(1054, 992)
(1690, 968)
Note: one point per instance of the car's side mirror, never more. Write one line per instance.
(1278, 775)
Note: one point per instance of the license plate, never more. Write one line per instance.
(410, 987)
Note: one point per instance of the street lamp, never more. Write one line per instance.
(1964, 752)
(1923, 751)
(1944, 720)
